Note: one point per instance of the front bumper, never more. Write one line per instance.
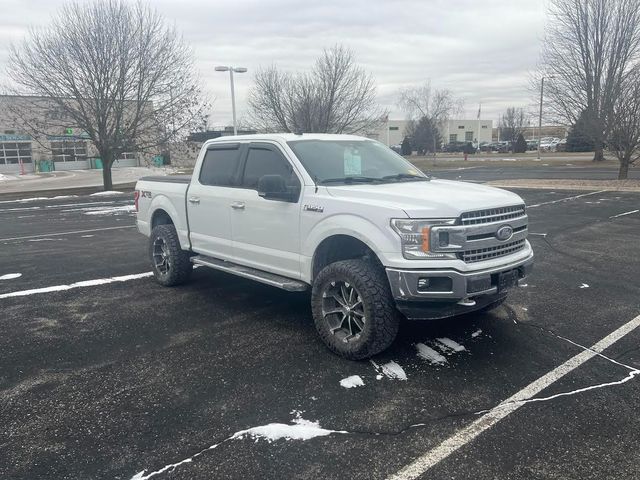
(429, 290)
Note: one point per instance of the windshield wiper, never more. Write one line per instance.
(404, 176)
(349, 180)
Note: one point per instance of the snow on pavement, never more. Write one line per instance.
(106, 193)
(112, 210)
(352, 381)
(86, 283)
(300, 429)
(449, 344)
(390, 370)
(430, 354)
(10, 276)
(476, 333)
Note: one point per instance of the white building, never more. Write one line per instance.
(393, 131)
(390, 133)
(467, 131)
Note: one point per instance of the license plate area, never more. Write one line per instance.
(507, 280)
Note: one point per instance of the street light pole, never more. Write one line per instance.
(540, 117)
(233, 93)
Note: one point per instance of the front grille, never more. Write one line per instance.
(471, 256)
(492, 215)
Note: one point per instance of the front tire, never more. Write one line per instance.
(171, 265)
(353, 309)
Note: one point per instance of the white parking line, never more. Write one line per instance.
(625, 213)
(565, 199)
(86, 283)
(425, 462)
(65, 233)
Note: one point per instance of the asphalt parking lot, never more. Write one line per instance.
(118, 378)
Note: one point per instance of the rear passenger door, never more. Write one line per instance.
(266, 233)
(209, 200)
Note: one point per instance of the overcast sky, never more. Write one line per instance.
(483, 50)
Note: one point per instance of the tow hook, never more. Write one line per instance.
(467, 302)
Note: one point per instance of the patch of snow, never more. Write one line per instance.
(301, 429)
(584, 285)
(10, 276)
(112, 210)
(87, 236)
(391, 370)
(3, 178)
(45, 240)
(450, 344)
(378, 377)
(86, 283)
(477, 333)
(430, 354)
(523, 285)
(352, 381)
(525, 309)
(106, 193)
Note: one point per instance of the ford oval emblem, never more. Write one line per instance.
(504, 233)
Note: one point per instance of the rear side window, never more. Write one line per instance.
(263, 161)
(219, 167)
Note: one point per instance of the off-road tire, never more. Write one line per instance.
(382, 319)
(180, 266)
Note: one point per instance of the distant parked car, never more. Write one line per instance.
(561, 146)
(454, 147)
(532, 144)
(396, 148)
(549, 144)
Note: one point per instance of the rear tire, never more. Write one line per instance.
(171, 265)
(353, 309)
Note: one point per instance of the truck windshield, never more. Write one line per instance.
(353, 161)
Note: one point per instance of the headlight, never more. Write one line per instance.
(416, 238)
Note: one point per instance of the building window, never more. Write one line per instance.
(69, 150)
(484, 126)
(12, 153)
(461, 127)
(127, 156)
(394, 128)
(468, 136)
(453, 138)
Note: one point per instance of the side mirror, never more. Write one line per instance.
(273, 187)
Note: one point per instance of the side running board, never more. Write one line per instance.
(251, 273)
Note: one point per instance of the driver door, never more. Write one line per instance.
(266, 233)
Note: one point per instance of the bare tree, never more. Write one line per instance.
(588, 50)
(336, 96)
(435, 104)
(428, 109)
(624, 136)
(114, 70)
(512, 124)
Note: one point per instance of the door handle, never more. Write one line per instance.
(194, 200)
(237, 205)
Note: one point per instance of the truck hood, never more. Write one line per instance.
(433, 199)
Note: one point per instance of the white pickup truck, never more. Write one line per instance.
(373, 237)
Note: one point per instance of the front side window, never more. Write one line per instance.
(219, 167)
(263, 161)
(353, 161)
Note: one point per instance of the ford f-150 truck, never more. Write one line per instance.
(373, 237)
